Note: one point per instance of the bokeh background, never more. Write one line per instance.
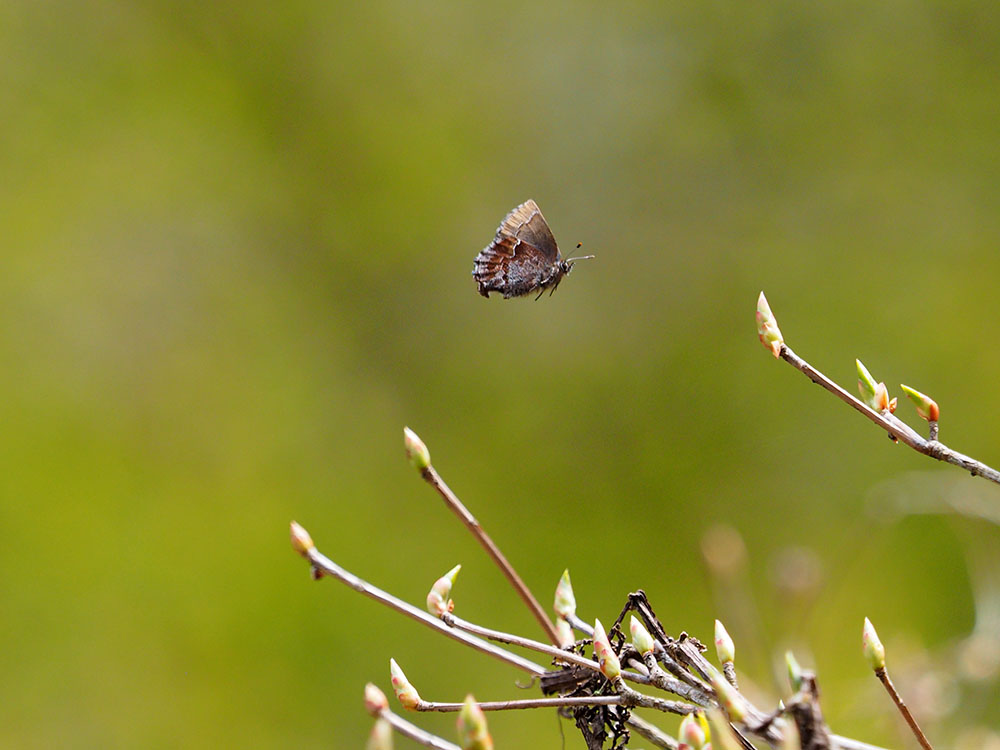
(236, 250)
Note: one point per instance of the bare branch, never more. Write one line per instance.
(329, 568)
(567, 657)
(846, 743)
(651, 733)
(883, 675)
(415, 733)
(456, 506)
(568, 702)
(898, 429)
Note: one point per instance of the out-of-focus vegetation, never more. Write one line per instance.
(236, 250)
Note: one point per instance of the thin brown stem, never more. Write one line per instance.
(451, 500)
(883, 675)
(415, 733)
(897, 429)
(329, 568)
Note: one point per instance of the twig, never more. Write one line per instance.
(632, 698)
(415, 733)
(577, 624)
(567, 702)
(659, 678)
(883, 675)
(729, 672)
(891, 424)
(330, 568)
(456, 506)
(651, 733)
(679, 671)
(568, 657)
(625, 696)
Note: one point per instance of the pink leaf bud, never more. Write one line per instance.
(691, 733)
(729, 697)
(767, 327)
(375, 700)
(927, 407)
(565, 632)
(405, 692)
(606, 657)
(724, 645)
(641, 638)
(872, 647)
(301, 541)
(381, 736)
(416, 451)
(723, 737)
(473, 733)
(565, 603)
(438, 602)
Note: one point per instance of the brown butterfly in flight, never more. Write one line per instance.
(523, 257)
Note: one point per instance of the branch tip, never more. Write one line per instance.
(301, 541)
(611, 668)
(381, 736)
(724, 646)
(437, 599)
(767, 327)
(565, 602)
(641, 638)
(416, 451)
(407, 695)
(375, 700)
(872, 647)
(473, 733)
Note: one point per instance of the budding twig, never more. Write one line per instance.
(584, 627)
(659, 678)
(567, 657)
(896, 428)
(846, 743)
(515, 705)
(686, 650)
(874, 652)
(329, 568)
(415, 733)
(377, 706)
(726, 651)
(421, 460)
(651, 733)
(883, 675)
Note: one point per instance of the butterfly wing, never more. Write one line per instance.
(523, 256)
(512, 267)
(527, 224)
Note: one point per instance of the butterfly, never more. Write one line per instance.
(523, 257)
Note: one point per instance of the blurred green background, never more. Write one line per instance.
(236, 250)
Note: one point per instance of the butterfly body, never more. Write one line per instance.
(523, 257)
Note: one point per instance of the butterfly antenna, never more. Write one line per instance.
(580, 257)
